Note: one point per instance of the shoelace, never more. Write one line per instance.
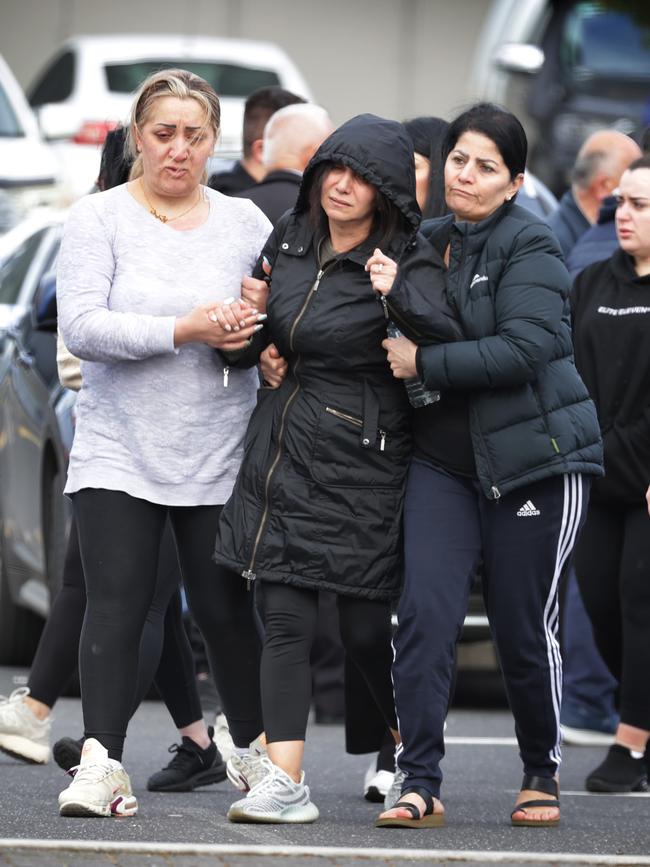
(267, 783)
(184, 757)
(91, 773)
(13, 704)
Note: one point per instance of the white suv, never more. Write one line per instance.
(87, 87)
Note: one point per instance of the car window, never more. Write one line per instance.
(9, 124)
(228, 79)
(608, 42)
(55, 84)
(14, 269)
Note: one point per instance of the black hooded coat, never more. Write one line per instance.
(318, 499)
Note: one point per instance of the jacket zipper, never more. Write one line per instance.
(249, 574)
(359, 423)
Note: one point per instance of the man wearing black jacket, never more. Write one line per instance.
(291, 137)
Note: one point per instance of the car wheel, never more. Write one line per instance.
(20, 629)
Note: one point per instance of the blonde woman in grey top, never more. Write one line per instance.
(147, 271)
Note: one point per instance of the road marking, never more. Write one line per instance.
(430, 856)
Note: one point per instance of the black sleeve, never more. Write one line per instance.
(249, 356)
(418, 300)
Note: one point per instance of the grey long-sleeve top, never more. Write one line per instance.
(159, 423)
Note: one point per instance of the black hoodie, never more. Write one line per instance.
(318, 499)
(611, 335)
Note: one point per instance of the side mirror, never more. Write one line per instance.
(519, 58)
(44, 311)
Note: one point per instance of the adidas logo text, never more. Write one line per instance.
(528, 510)
(477, 278)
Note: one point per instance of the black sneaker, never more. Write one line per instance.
(190, 768)
(618, 773)
(66, 752)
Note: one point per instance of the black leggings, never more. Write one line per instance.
(165, 652)
(120, 540)
(290, 617)
(612, 563)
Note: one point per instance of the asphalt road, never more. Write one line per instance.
(482, 773)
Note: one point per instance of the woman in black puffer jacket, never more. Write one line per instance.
(500, 471)
(318, 500)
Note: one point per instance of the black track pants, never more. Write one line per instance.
(525, 540)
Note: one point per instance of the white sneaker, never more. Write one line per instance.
(23, 735)
(246, 771)
(275, 800)
(376, 783)
(100, 787)
(392, 795)
(222, 737)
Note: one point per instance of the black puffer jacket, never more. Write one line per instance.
(318, 500)
(530, 414)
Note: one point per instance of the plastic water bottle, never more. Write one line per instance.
(418, 394)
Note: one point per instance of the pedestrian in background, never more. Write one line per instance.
(250, 169)
(500, 470)
(159, 421)
(291, 138)
(598, 167)
(611, 327)
(427, 135)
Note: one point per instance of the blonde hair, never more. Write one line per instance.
(170, 82)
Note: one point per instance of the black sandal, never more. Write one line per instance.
(549, 786)
(428, 819)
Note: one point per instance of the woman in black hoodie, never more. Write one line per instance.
(318, 501)
(611, 320)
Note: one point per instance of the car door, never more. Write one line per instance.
(26, 420)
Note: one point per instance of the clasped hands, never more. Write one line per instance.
(229, 324)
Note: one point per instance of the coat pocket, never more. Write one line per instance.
(342, 457)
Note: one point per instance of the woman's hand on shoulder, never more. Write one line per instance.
(401, 354)
(382, 270)
(273, 367)
(227, 325)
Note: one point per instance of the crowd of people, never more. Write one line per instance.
(342, 373)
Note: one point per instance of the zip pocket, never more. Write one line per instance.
(358, 423)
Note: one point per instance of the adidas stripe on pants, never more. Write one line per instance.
(524, 541)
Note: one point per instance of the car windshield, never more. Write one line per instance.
(228, 79)
(9, 124)
(611, 38)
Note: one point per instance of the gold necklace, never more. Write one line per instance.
(163, 217)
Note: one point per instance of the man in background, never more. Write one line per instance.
(291, 137)
(259, 107)
(601, 161)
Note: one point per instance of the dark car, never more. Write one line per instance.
(567, 69)
(35, 436)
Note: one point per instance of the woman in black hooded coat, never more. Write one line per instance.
(318, 500)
